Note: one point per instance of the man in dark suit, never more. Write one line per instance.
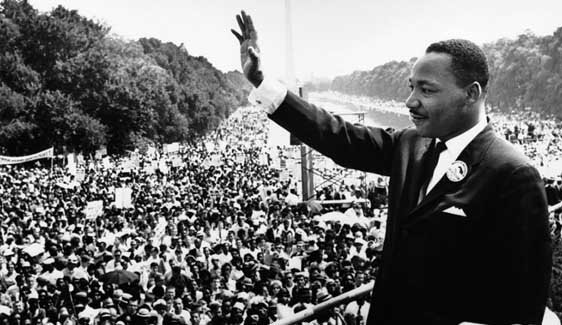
(467, 235)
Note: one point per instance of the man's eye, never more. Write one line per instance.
(427, 91)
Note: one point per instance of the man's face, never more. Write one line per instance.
(438, 107)
(171, 293)
(195, 318)
(216, 284)
(178, 305)
(301, 281)
(275, 289)
(226, 307)
(132, 306)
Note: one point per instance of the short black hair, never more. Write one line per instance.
(469, 62)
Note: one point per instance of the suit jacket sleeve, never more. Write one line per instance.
(350, 145)
(526, 245)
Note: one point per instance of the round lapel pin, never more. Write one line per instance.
(458, 171)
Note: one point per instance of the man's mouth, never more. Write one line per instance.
(417, 117)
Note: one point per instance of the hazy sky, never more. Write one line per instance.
(331, 37)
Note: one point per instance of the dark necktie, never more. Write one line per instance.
(433, 157)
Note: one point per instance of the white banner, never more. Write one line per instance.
(5, 160)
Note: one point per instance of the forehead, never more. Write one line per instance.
(433, 68)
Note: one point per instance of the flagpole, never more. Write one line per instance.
(51, 173)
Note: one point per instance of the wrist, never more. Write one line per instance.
(257, 79)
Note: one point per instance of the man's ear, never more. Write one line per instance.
(474, 92)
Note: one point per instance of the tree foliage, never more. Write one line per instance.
(65, 83)
(525, 73)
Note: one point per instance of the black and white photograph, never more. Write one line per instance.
(280, 162)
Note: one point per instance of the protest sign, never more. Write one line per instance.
(275, 162)
(123, 198)
(162, 166)
(263, 159)
(93, 209)
(210, 146)
(284, 175)
(151, 152)
(216, 160)
(177, 162)
(240, 158)
(172, 147)
(100, 153)
(80, 175)
(71, 164)
(106, 162)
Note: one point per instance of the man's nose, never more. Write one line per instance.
(412, 101)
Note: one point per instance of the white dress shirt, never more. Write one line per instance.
(269, 95)
(454, 148)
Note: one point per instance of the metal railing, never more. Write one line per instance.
(312, 312)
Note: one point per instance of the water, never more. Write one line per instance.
(376, 114)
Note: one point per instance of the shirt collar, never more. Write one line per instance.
(457, 144)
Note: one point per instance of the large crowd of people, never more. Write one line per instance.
(212, 232)
(539, 138)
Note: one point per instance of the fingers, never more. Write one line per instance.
(241, 24)
(238, 36)
(245, 19)
(251, 30)
(247, 30)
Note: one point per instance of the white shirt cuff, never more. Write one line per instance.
(269, 95)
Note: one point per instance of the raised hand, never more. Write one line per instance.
(249, 50)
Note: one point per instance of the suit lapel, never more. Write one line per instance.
(413, 181)
(471, 155)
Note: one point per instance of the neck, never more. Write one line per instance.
(471, 121)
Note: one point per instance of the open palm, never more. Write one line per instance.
(249, 50)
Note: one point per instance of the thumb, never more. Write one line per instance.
(253, 54)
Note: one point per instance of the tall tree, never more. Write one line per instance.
(65, 83)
